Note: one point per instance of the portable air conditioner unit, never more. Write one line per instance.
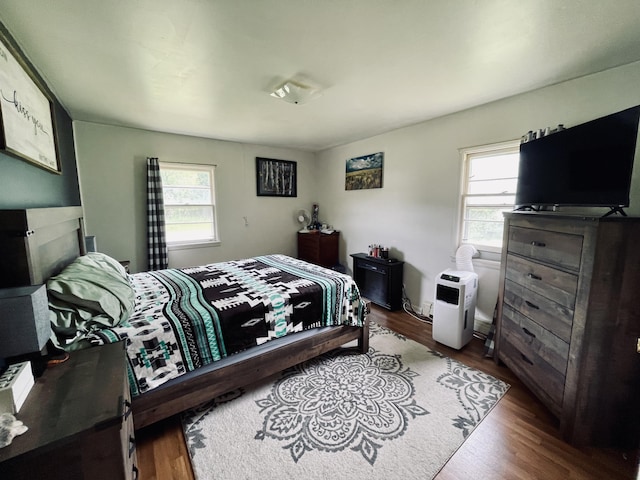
(455, 307)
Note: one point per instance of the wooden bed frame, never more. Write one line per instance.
(38, 243)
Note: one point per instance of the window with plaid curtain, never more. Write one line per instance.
(156, 238)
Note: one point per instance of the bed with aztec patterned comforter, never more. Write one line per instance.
(186, 328)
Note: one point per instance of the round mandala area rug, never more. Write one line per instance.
(399, 411)
(341, 401)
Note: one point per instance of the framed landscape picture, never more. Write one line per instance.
(276, 178)
(364, 172)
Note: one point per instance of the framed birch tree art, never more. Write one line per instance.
(276, 178)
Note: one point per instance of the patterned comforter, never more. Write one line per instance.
(187, 318)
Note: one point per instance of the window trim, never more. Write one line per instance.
(488, 252)
(188, 244)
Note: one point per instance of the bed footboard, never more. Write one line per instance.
(363, 341)
(221, 377)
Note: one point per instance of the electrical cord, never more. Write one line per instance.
(57, 359)
(408, 308)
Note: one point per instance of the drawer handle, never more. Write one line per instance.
(132, 445)
(533, 276)
(524, 357)
(529, 332)
(127, 409)
(531, 305)
(136, 472)
(538, 244)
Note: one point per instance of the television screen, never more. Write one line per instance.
(586, 165)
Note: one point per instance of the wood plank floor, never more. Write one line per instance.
(517, 440)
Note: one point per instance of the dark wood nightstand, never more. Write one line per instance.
(379, 279)
(80, 422)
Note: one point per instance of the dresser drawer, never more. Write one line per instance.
(556, 248)
(556, 285)
(319, 248)
(309, 249)
(556, 318)
(535, 342)
(545, 382)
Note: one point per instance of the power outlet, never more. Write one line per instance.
(427, 309)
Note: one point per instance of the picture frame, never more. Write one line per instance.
(364, 172)
(27, 122)
(276, 178)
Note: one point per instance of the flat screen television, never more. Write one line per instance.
(586, 165)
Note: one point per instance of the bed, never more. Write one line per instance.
(295, 310)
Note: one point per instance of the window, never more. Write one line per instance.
(489, 189)
(189, 203)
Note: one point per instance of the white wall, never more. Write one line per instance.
(111, 166)
(416, 211)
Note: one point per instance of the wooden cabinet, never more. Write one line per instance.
(80, 422)
(379, 280)
(319, 248)
(568, 322)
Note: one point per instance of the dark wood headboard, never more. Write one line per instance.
(37, 243)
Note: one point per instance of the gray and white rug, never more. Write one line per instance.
(400, 411)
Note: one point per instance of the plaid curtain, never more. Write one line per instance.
(156, 239)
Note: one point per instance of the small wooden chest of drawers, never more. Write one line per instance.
(319, 248)
(567, 324)
(80, 422)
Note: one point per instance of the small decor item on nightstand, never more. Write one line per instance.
(315, 222)
(303, 217)
(91, 243)
(9, 428)
(15, 384)
(378, 251)
(24, 320)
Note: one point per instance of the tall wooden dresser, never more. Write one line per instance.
(569, 320)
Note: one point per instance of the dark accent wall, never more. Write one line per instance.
(23, 184)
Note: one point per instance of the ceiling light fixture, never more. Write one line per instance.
(296, 92)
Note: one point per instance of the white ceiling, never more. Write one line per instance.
(205, 67)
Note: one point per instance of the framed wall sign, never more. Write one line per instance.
(276, 178)
(364, 172)
(26, 112)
